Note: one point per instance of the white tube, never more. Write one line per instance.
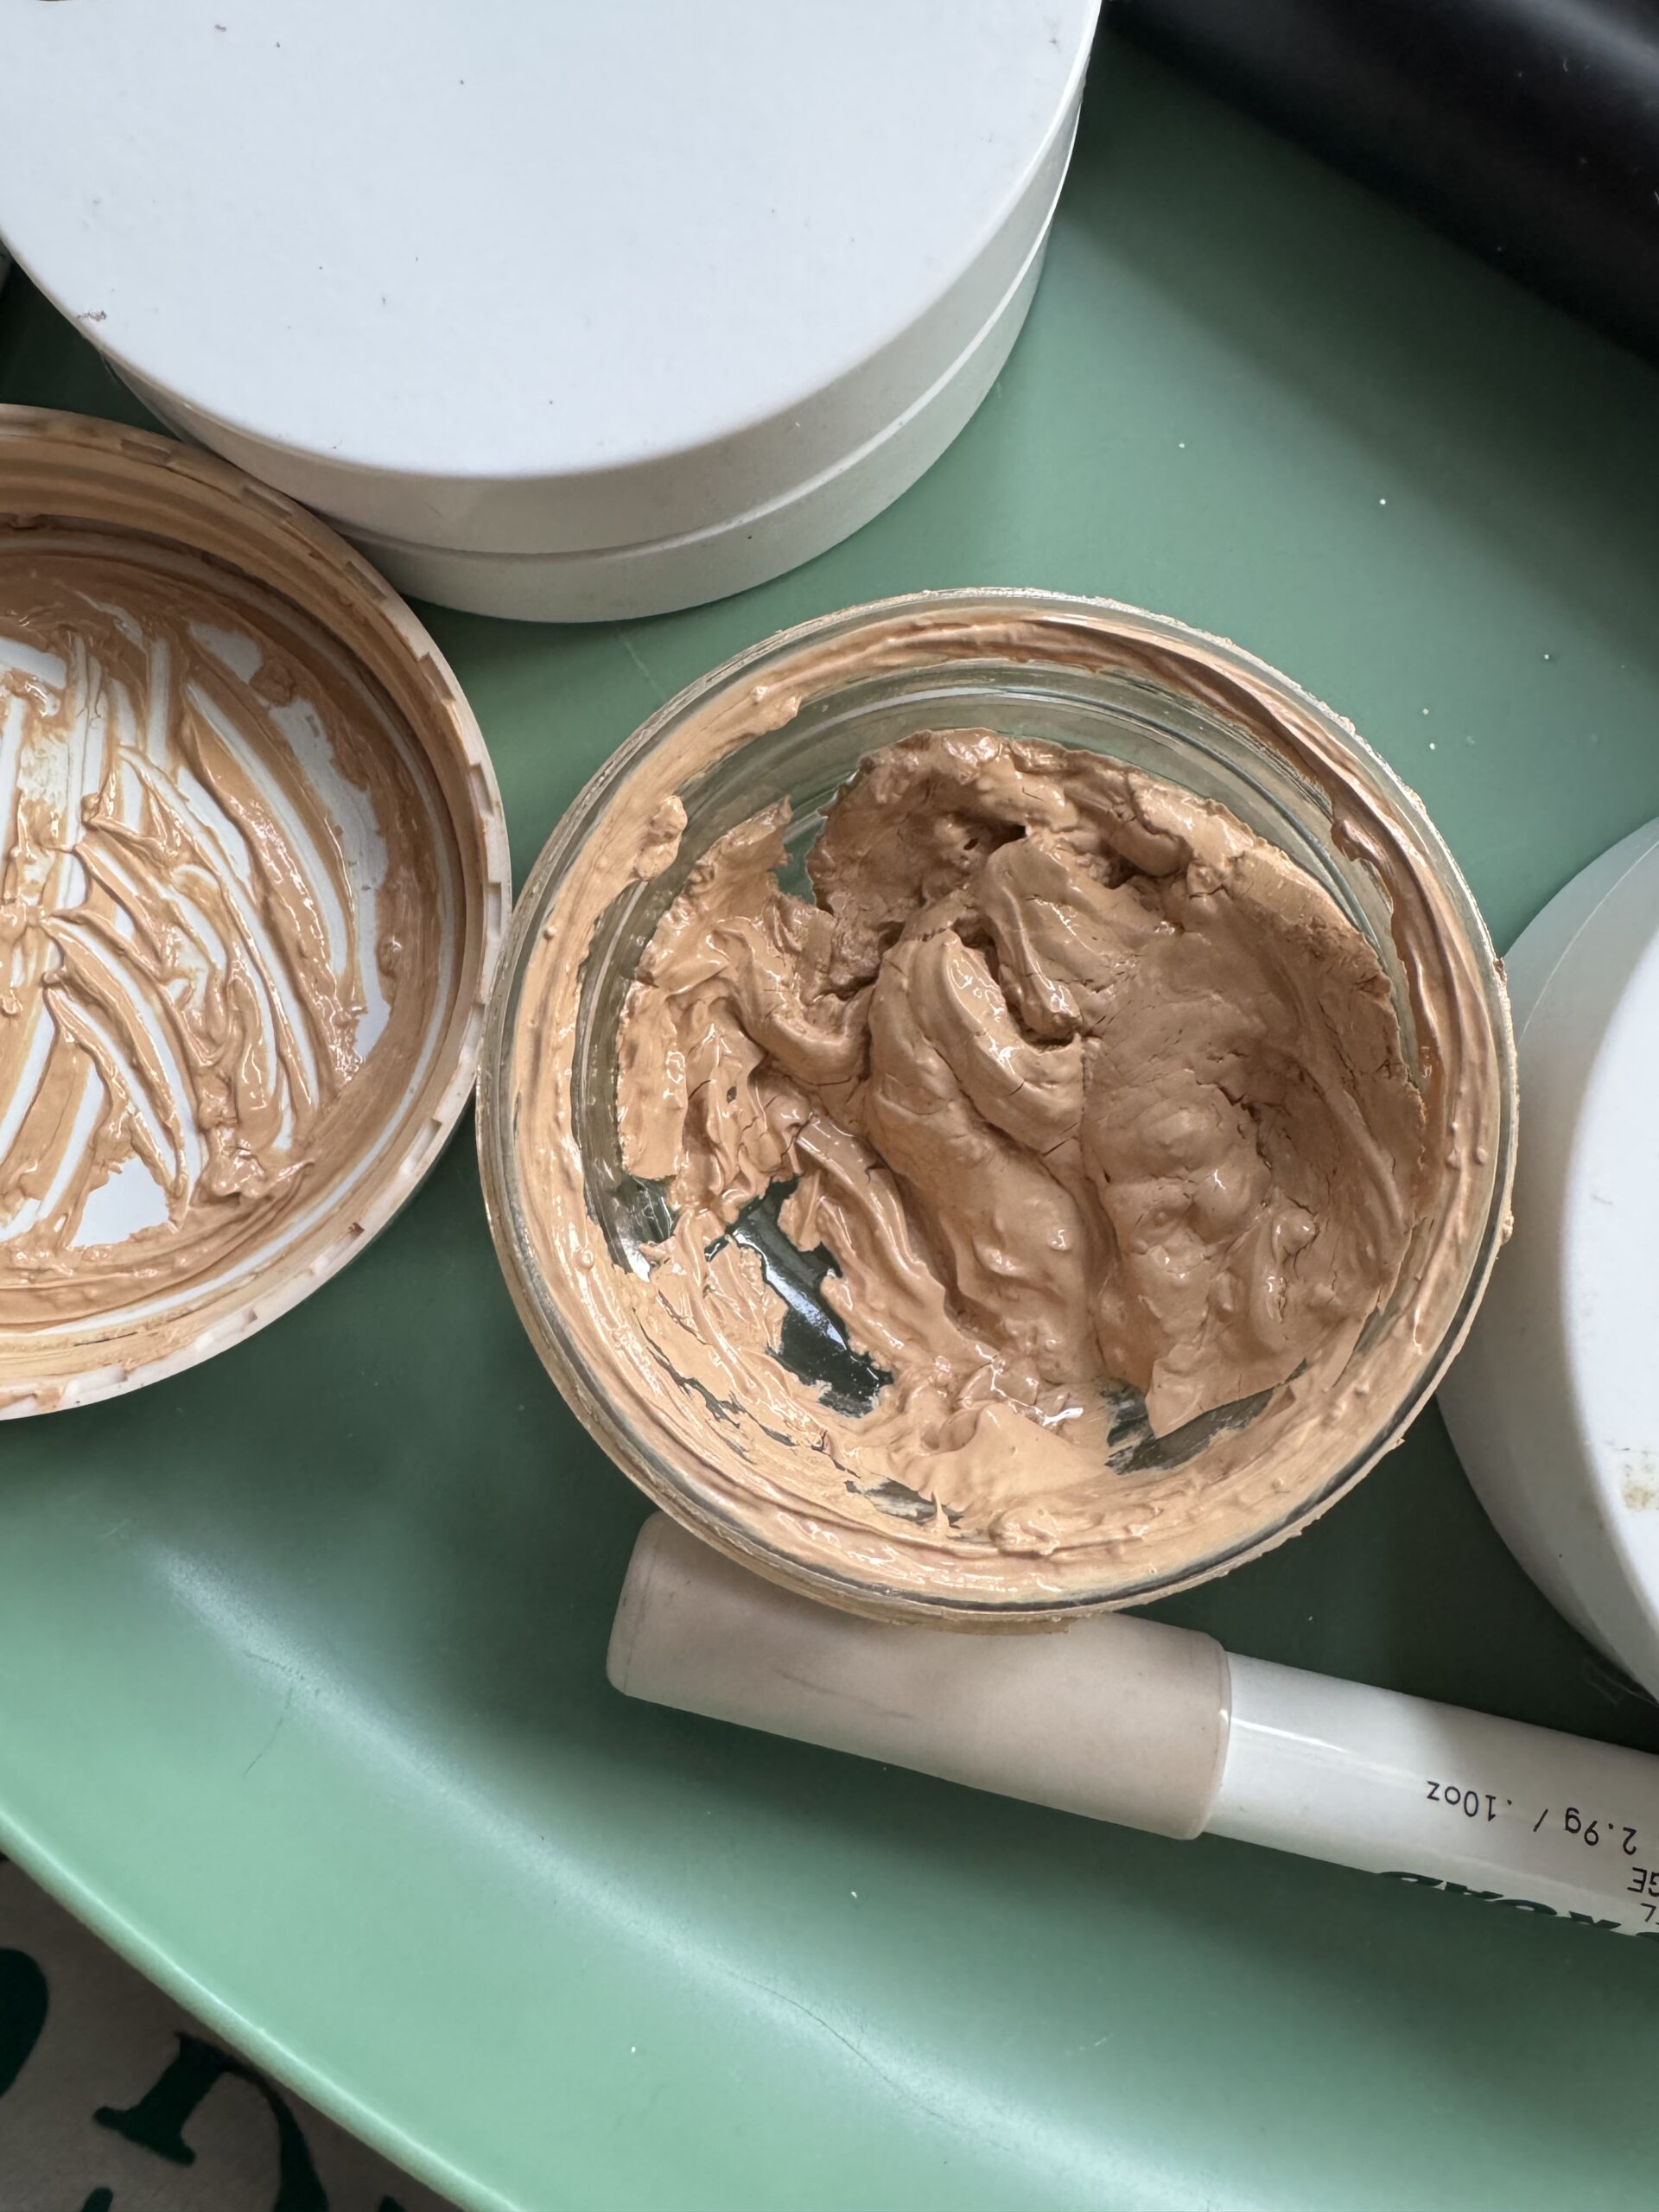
(1122, 1719)
(1127, 1720)
(1515, 1815)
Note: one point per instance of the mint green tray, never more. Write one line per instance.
(302, 1689)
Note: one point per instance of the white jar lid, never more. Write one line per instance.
(1553, 1402)
(239, 789)
(516, 278)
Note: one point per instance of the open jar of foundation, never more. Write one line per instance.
(729, 1376)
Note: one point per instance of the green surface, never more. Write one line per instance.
(302, 1692)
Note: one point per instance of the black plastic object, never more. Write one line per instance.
(1527, 128)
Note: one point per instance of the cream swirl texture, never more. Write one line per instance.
(218, 913)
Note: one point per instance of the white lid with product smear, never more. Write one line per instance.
(554, 284)
(1554, 1404)
(258, 872)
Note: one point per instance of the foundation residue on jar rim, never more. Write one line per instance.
(227, 928)
(940, 1300)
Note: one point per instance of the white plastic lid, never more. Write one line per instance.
(523, 278)
(1554, 1404)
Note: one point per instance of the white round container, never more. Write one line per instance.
(1554, 1404)
(565, 312)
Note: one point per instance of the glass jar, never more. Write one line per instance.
(793, 717)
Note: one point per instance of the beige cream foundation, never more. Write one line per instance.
(1080, 1084)
(222, 889)
(1150, 1163)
